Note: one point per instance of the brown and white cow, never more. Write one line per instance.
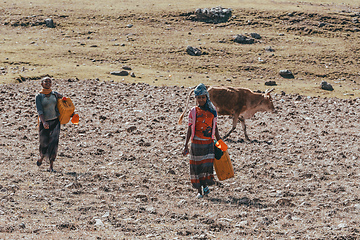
(240, 103)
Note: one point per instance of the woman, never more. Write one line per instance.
(49, 125)
(202, 131)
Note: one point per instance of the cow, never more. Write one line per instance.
(240, 103)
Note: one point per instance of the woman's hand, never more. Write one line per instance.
(46, 125)
(58, 95)
(185, 151)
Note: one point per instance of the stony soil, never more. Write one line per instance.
(120, 173)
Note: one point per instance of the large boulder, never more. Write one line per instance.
(216, 14)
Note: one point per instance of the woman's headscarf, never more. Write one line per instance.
(201, 90)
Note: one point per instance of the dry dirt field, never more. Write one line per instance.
(120, 173)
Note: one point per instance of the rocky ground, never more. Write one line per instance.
(120, 173)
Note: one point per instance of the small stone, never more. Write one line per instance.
(244, 200)
(270, 83)
(284, 202)
(193, 51)
(151, 210)
(286, 73)
(171, 171)
(181, 202)
(49, 23)
(120, 73)
(269, 49)
(98, 223)
(131, 129)
(126, 68)
(342, 225)
(326, 86)
(132, 74)
(243, 39)
(255, 35)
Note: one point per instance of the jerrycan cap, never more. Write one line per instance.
(221, 145)
(75, 119)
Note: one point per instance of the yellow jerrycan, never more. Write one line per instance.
(223, 167)
(66, 109)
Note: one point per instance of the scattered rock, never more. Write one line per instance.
(126, 68)
(255, 35)
(181, 202)
(171, 171)
(270, 83)
(286, 73)
(357, 206)
(131, 129)
(120, 73)
(284, 202)
(269, 49)
(49, 23)
(69, 226)
(326, 86)
(193, 51)
(216, 14)
(98, 223)
(244, 200)
(243, 39)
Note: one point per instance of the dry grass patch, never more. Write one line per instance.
(103, 37)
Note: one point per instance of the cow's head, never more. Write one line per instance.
(267, 102)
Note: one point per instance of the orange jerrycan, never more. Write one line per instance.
(66, 109)
(223, 167)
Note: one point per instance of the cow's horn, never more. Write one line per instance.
(269, 91)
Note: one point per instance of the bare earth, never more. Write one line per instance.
(120, 173)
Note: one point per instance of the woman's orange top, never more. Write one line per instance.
(203, 124)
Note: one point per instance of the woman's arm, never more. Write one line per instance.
(58, 95)
(217, 135)
(40, 110)
(188, 135)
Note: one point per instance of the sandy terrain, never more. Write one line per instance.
(120, 173)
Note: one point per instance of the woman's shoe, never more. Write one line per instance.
(199, 195)
(206, 190)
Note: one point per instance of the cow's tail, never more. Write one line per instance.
(187, 104)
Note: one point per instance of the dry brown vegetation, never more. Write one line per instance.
(317, 42)
(120, 172)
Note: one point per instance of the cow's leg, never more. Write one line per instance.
(242, 120)
(235, 119)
